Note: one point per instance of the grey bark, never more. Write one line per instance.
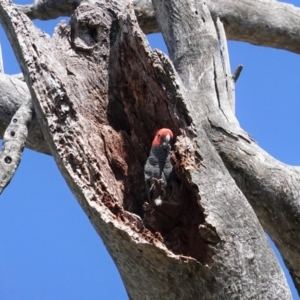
(12, 94)
(100, 94)
(14, 140)
(1, 61)
(271, 187)
(260, 22)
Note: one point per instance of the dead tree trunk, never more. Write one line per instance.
(100, 93)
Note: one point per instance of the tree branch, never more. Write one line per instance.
(230, 83)
(14, 142)
(272, 189)
(12, 94)
(1, 61)
(49, 9)
(260, 22)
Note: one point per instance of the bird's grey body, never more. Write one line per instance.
(158, 165)
(158, 168)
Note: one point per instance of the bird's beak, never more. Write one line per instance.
(166, 140)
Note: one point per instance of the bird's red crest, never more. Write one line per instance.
(160, 134)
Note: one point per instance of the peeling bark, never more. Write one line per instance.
(100, 93)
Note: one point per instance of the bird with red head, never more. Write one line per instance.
(162, 137)
(158, 165)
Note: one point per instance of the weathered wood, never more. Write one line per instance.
(197, 61)
(98, 108)
(268, 23)
(219, 124)
(260, 22)
(13, 93)
(14, 141)
(213, 101)
(230, 82)
(100, 93)
(1, 61)
(272, 189)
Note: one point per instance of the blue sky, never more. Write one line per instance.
(48, 248)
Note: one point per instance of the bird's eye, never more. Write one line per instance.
(158, 135)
